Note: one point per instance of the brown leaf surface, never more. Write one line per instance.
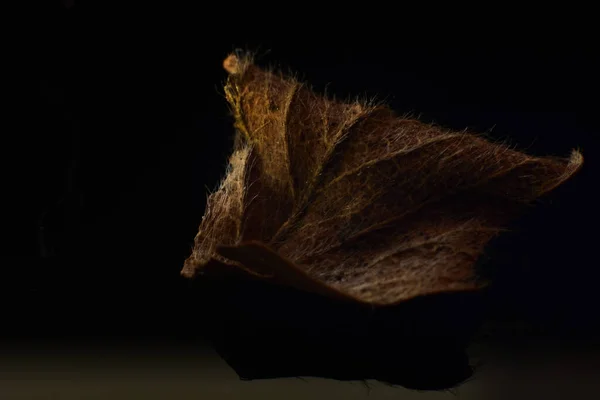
(352, 201)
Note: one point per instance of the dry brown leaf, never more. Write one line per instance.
(352, 201)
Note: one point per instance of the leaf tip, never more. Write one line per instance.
(238, 61)
(576, 158)
(232, 64)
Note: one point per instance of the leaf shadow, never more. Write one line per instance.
(265, 331)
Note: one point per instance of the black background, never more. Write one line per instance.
(122, 127)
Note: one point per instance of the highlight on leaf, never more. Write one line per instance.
(352, 201)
